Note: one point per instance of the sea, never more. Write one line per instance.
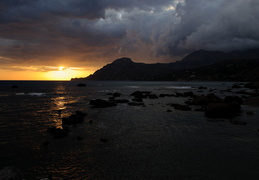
(154, 141)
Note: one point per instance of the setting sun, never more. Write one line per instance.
(61, 68)
(65, 73)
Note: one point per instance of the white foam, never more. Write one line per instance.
(179, 87)
(30, 94)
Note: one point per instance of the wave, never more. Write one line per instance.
(133, 87)
(179, 87)
(30, 94)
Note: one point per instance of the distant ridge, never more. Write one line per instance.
(125, 69)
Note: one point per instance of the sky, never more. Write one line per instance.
(61, 39)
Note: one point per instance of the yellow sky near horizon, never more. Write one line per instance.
(58, 73)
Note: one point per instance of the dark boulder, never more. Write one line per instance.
(200, 100)
(152, 96)
(100, 103)
(181, 107)
(137, 100)
(204, 100)
(81, 85)
(233, 99)
(189, 94)
(202, 87)
(14, 87)
(116, 94)
(76, 118)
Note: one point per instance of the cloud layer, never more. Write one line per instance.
(94, 32)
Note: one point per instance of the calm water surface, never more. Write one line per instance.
(142, 142)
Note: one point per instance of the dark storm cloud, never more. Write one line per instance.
(215, 25)
(39, 31)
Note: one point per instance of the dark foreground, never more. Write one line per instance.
(146, 138)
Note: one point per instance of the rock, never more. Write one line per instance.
(120, 101)
(152, 96)
(189, 94)
(141, 94)
(81, 85)
(11, 173)
(169, 110)
(14, 87)
(202, 87)
(233, 99)
(181, 107)
(200, 100)
(137, 100)
(58, 132)
(204, 100)
(178, 94)
(116, 94)
(202, 109)
(220, 110)
(99, 103)
(76, 118)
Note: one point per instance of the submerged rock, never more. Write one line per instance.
(100, 103)
(14, 87)
(76, 118)
(81, 85)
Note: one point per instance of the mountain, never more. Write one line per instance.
(229, 70)
(126, 69)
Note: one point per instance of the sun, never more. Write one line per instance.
(65, 73)
(61, 68)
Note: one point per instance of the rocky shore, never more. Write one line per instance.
(212, 104)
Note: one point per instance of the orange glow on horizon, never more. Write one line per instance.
(61, 73)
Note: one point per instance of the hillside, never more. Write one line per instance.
(202, 65)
